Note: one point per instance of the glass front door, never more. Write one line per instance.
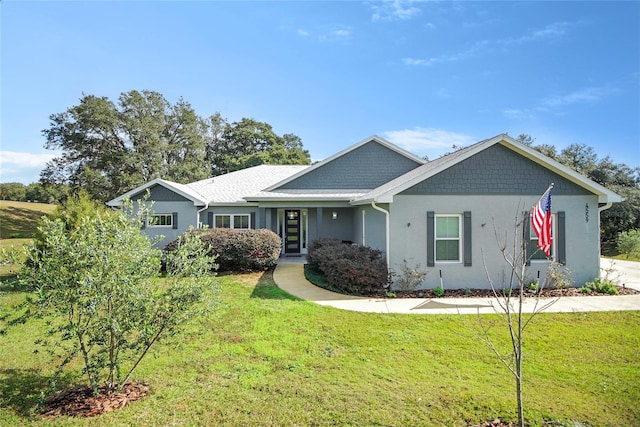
(292, 231)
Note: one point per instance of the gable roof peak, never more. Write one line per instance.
(373, 138)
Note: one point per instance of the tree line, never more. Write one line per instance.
(108, 148)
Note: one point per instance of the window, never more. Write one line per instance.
(447, 238)
(160, 220)
(239, 222)
(537, 254)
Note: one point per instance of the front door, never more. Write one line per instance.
(292, 232)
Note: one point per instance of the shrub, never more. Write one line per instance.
(600, 286)
(348, 268)
(629, 243)
(316, 254)
(558, 276)
(438, 291)
(94, 279)
(238, 250)
(409, 278)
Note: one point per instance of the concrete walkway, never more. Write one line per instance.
(289, 276)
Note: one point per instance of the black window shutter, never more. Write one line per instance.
(174, 220)
(431, 260)
(210, 219)
(253, 220)
(526, 237)
(466, 228)
(561, 244)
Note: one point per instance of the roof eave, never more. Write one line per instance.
(166, 184)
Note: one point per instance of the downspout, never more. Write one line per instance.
(386, 216)
(206, 206)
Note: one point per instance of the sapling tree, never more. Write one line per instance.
(97, 284)
(510, 298)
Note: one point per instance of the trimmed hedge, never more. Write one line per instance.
(239, 250)
(348, 268)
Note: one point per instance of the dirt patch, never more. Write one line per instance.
(81, 402)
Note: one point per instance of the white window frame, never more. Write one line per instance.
(436, 238)
(533, 237)
(232, 221)
(168, 220)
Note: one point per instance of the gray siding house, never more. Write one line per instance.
(444, 214)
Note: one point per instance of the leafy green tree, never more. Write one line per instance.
(12, 191)
(629, 243)
(108, 148)
(95, 279)
(250, 143)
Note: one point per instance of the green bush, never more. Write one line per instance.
(438, 291)
(600, 286)
(348, 268)
(316, 254)
(629, 243)
(238, 250)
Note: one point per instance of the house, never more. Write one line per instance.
(444, 214)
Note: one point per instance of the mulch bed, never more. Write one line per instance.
(81, 402)
(488, 293)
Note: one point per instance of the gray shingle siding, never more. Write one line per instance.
(366, 167)
(496, 170)
(161, 194)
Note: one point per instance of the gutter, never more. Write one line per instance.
(605, 207)
(386, 215)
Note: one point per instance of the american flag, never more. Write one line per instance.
(541, 221)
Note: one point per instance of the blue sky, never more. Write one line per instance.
(425, 75)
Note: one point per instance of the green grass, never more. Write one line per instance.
(19, 219)
(264, 358)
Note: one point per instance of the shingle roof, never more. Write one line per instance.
(235, 186)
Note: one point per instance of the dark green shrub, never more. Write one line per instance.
(239, 250)
(316, 253)
(600, 286)
(438, 291)
(348, 268)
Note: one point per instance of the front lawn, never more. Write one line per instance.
(264, 358)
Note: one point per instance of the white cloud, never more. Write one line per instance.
(414, 61)
(551, 31)
(588, 94)
(518, 114)
(341, 33)
(556, 104)
(392, 10)
(22, 167)
(427, 141)
(326, 34)
(474, 50)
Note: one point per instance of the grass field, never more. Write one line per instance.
(19, 219)
(264, 358)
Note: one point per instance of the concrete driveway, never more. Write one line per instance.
(624, 272)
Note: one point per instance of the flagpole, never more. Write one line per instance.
(546, 191)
